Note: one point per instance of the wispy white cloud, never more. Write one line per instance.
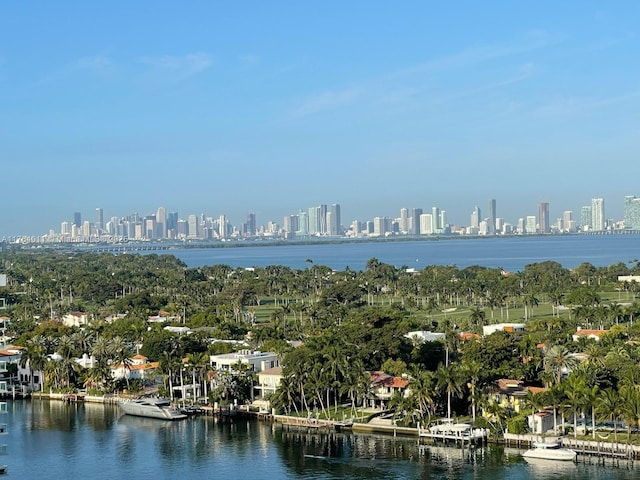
(184, 66)
(95, 63)
(530, 42)
(411, 86)
(565, 106)
(327, 100)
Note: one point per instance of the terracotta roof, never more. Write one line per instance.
(381, 379)
(464, 336)
(535, 390)
(595, 333)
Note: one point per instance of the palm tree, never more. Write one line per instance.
(609, 406)
(33, 358)
(122, 356)
(448, 380)
(574, 388)
(169, 364)
(630, 395)
(422, 391)
(472, 370)
(529, 301)
(558, 359)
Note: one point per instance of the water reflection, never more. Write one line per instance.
(75, 440)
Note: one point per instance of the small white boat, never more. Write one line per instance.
(152, 408)
(550, 451)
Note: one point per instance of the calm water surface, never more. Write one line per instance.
(55, 440)
(510, 253)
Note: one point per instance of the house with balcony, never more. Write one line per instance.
(267, 384)
(511, 394)
(140, 368)
(251, 360)
(384, 387)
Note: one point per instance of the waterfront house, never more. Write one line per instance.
(511, 394)
(384, 386)
(139, 368)
(267, 384)
(252, 360)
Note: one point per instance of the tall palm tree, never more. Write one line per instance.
(609, 406)
(448, 380)
(422, 392)
(630, 395)
(574, 388)
(557, 359)
(472, 370)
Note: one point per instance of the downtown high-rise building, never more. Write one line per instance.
(77, 219)
(598, 219)
(415, 221)
(476, 217)
(161, 222)
(403, 221)
(586, 218)
(631, 212)
(543, 218)
(99, 219)
(249, 229)
(491, 220)
(333, 220)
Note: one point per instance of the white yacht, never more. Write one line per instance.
(550, 451)
(151, 408)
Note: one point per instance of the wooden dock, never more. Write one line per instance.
(458, 433)
(588, 449)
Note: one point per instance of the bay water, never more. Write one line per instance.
(509, 253)
(54, 440)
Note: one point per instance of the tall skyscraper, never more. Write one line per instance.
(631, 212)
(161, 222)
(415, 221)
(435, 215)
(250, 225)
(476, 217)
(77, 219)
(322, 220)
(597, 214)
(314, 220)
(568, 224)
(427, 224)
(334, 224)
(303, 223)
(543, 218)
(491, 222)
(586, 218)
(404, 221)
(192, 226)
(172, 224)
(99, 219)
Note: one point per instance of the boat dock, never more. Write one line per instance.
(458, 433)
(589, 450)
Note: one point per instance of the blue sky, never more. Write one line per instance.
(230, 107)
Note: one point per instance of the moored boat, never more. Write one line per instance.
(550, 451)
(151, 407)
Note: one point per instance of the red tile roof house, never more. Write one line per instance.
(384, 386)
(592, 334)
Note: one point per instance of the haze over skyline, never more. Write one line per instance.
(268, 108)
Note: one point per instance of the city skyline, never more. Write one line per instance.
(326, 220)
(256, 107)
